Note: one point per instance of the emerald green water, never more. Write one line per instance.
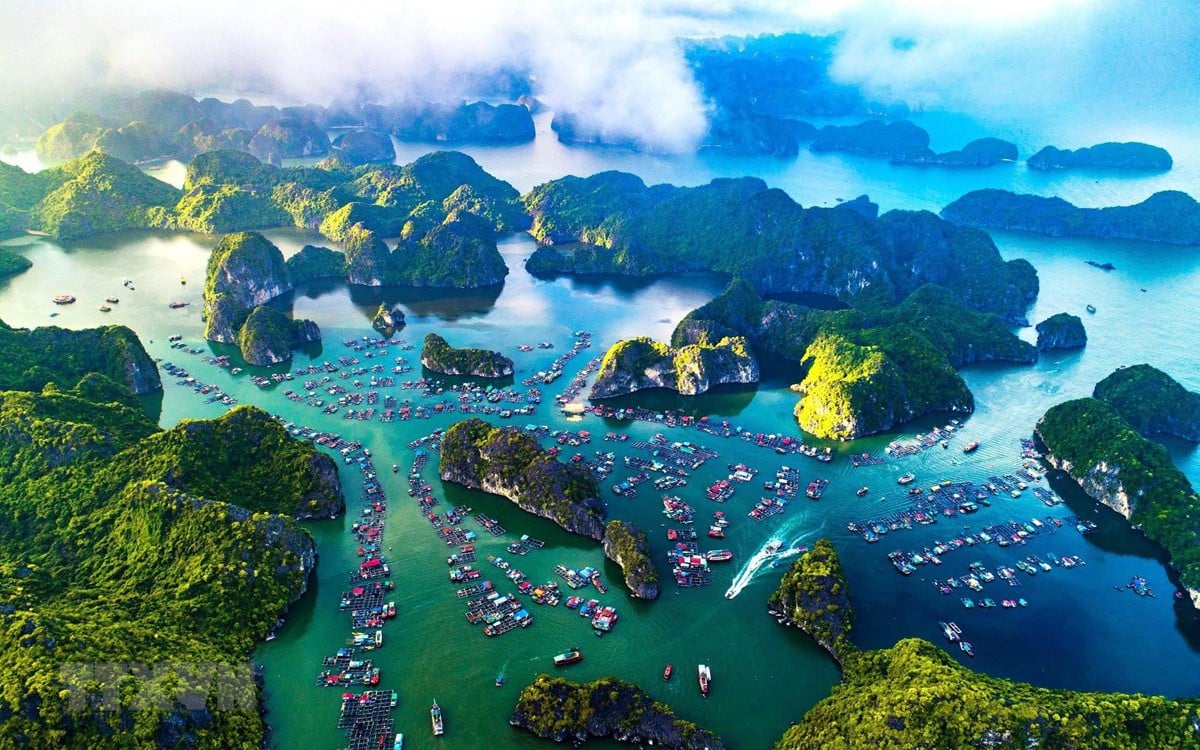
(1077, 632)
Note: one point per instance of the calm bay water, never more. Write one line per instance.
(1077, 632)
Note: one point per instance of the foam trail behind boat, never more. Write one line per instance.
(761, 560)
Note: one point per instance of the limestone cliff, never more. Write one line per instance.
(626, 545)
(1061, 331)
(639, 363)
(1124, 471)
(812, 595)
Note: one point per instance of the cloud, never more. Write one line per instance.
(616, 62)
(612, 61)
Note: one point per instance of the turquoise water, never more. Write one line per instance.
(1077, 632)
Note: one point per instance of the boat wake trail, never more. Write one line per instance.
(775, 549)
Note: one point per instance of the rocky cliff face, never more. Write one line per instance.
(1061, 331)
(249, 268)
(640, 363)
(268, 336)
(510, 463)
(626, 545)
(1124, 471)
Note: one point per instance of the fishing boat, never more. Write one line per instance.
(105, 308)
(63, 299)
(971, 446)
(177, 304)
(111, 300)
(704, 675)
(667, 672)
(949, 632)
(1091, 308)
(435, 714)
(399, 743)
(719, 555)
(906, 478)
(862, 491)
(568, 657)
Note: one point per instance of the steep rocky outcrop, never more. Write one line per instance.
(812, 596)
(1133, 156)
(1061, 331)
(639, 363)
(247, 270)
(1152, 402)
(1124, 471)
(869, 381)
(626, 545)
(267, 337)
(555, 709)
(388, 320)
(363, 147)
(1169, 217)
(439, 356)
(510, 463)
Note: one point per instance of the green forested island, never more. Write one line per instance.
(613, 223)
(860, 382)
(1152, 402)
(444, 209)
(510, 462)
(1130, 474)
(1170, 217)
(638, 363)
(554, 708)
(123, 545)
(1061, 331)
(812, 595)
(1133, 156)
(439, 356)
(868, 368)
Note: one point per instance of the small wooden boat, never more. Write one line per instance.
(1091, 308)
(667, 672)
(105, 308)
